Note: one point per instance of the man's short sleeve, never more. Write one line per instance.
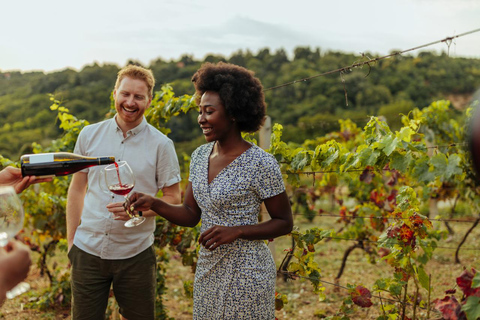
(168, 169)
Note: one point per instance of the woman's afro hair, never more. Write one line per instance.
(240, 91)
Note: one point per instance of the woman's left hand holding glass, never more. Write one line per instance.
(139, 201)
(218, 235)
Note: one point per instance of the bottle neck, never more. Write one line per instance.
(106, 160)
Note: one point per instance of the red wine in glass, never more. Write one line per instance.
(120, 180)
(121, 189)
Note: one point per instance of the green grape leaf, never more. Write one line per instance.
(422, 171)
(309, 238)
(453, 167)
(368, 157)
(476, 280)
(293, 179)
(472, 307)
(400, 161)
(296, 267)
(381, 284)
(439, 163)
(405, 134)
(350, 160)
(391, 147)
(395, 288)
(423, 278)
(330, 159)
(384, 142)
(300, 160)
(370, 130)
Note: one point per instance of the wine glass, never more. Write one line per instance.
(120, 180)
(11, 222)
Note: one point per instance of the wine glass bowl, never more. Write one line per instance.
(11, 222)
(11, 214)
(120, 180)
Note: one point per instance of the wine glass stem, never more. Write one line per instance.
(127, 210)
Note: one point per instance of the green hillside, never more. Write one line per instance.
(306, 109)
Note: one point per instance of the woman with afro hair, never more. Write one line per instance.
(229, 180)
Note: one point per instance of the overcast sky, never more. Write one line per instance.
(52, 35)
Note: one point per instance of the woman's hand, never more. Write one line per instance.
(139, 201)
(218, 235)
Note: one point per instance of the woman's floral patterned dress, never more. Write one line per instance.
(236, 280)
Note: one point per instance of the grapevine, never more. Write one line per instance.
(380, 183)
(388, 177)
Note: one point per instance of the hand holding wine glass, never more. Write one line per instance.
(120, 180)
(139, 201)
(11, 222)
(13, 177)
(15, 263)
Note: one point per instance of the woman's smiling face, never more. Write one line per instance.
(216, 124)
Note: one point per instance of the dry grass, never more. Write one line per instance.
(302, 303)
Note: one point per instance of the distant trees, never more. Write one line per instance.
(305, 108)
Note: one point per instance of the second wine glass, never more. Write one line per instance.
(11, 222)
(120, 180)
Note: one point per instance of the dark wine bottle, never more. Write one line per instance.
(58, 163)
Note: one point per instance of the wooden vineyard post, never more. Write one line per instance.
(264, 142)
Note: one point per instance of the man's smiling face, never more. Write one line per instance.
(131, 100)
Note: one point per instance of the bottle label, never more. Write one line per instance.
(41, 157)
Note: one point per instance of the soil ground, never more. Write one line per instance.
(302, 302)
